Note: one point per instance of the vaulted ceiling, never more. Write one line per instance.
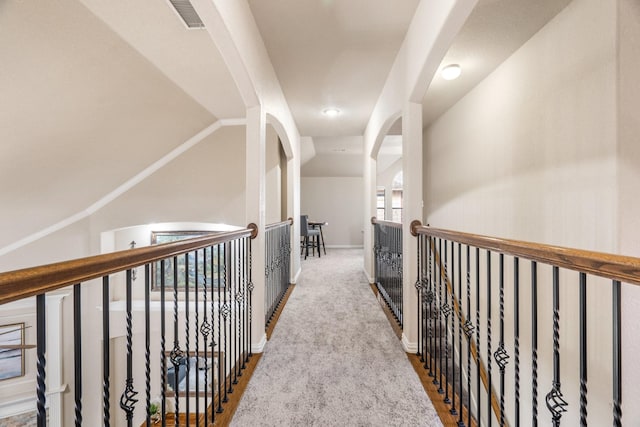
(84, 81)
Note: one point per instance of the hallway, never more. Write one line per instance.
(333, 358)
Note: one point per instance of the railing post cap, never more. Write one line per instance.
(373, 220)
(413, 227)
(254, 230)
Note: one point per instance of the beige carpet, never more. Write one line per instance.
(333, 359)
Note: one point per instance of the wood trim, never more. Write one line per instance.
(443, 409)
(18, 284)
(616, 267)
(276, 315)
(375, 220)
(279, 224)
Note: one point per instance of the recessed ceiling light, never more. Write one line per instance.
(451, 72)
(331, 112)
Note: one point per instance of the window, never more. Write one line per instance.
(204, 264)
(396, 198)
(380, 201)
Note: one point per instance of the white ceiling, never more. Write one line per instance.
(332, 53)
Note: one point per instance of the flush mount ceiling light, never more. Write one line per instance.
(451, 72)
(331, 112)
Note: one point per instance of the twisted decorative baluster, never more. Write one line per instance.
(205, 330)
(479, 398)
(418, 286)
(502, 358)
(583, 349)
(176, 354)
(555, 400)
(459, 317)
(147, 342)
(128, 397)
(186, 334)
(617, 354)
(41, 350)
(516, 334)
(489, 388)
(534, 343)
(77, 353)
(163, 344)
(468, 331)
(106, 394)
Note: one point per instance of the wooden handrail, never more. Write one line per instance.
(19, 284)
(288, 221)
(375, 220)
(616, 267)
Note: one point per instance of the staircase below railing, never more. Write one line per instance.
(174, 353)
(485, 302)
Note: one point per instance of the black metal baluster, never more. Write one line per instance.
(176, 354)
(163, 345)
(459, 317)
(583, 349)
(440, 314)
(205, 330)
(489, 385)
(106, 394)
(430, 320)
(555, 401)
(617, 354)
(77, 352)
(534, 343)
(196, 291)
(235, 313)
(468, 330)
(128, 397)
(516, 334)
(187, 342)
(449, 297)
(479, 396)
(226, 310)
(147, 341)
(418, 286)
(221, 362)
(250, 286)
(41, 351)
(501, 355)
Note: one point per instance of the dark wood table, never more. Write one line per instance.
(319, 224)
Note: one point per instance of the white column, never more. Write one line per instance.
(255, 213)
(369, 175)
(411, 210)
(293, 211)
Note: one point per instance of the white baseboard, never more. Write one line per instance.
(369, 278)
(259, 347)
(296, 277)
(344, 246)
(409, 347)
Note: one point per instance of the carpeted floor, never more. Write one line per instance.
(333, 359)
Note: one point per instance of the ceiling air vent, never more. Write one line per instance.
(187, 13)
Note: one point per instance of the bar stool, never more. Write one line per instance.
(310, 237)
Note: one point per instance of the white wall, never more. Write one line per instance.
(338, 201)
(273, 177)
(629, 177)
(531, 154)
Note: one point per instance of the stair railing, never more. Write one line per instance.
(387, 258)
(195, 329)
(277, 266)
(464, 285)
